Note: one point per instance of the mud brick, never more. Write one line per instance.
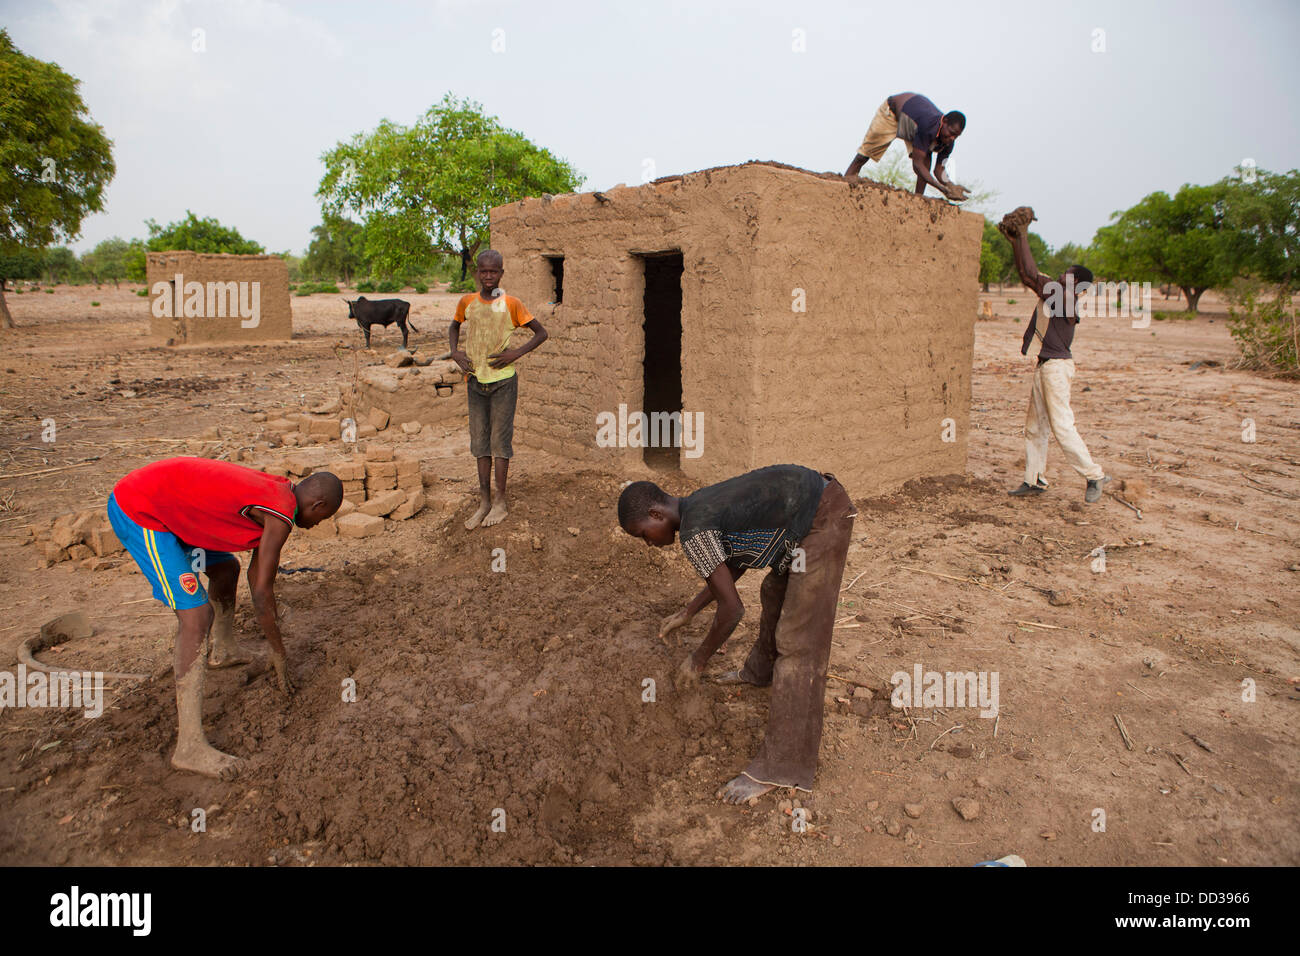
(413, 505)
(410, 483)
(324, 427)
(378, 452)
(79, 552)
(377, 485)
(382, 503)
(407, 466)
(278, 470)
(299, 465)
(357, 525)
(346, 507)
(326, 529)
(381, 469)
(378, 418)
(99, 564)
(52, 552)
(353, 484)
(103, 541)
(366, 431)
(348, 470)
(410, 428)
(281, 425)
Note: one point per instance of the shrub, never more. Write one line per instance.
(326, 287)
(388, 285)
(142, 292)
(1011, 301)
(49, 292)
(462, 285)
(365, 286)
(94, 303)
(1265, 331)
(421, 287)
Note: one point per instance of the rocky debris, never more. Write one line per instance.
(913, 810)
(410, 428)
(966, 808)
(399, 359)
(76, 536)
(378, 418)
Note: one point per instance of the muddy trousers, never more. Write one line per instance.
(794, 646)
(1050, 414)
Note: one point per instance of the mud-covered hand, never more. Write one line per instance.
(688, 673)
(282, 673)
(1016, 221)
(956, 192)
(673, 622)
(461, 359)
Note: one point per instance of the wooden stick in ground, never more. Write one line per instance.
(944, 734)
(1125, 503)
(1123, 732)
(47, 471)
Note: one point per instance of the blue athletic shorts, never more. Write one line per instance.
(171, 565)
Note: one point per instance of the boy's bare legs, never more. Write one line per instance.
(498, 512)
(222, 581)
(484, 493)
(193, 752)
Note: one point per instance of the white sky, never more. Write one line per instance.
(1183, 92)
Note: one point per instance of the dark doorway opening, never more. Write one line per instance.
(557, 274)
(663, 353)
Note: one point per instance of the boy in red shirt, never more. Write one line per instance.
(184, 516)
(488, 317)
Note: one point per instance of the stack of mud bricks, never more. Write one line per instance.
(200, 298)
(408, 397)
(84, 536)
(379, 486)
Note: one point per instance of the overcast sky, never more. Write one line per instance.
(1182, 93)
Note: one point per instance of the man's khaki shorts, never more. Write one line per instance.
(882, 131)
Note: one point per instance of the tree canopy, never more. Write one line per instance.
(55, 161)
(428, 188)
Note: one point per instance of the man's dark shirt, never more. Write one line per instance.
(1057, 337)
(927, 117)
(753, 521)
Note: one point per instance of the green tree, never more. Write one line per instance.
(1263, 213)
(54, 160)
(61, 265)
(337, 250)
(199, 235)
(107, 261)
(1183, 240)
(1058, 260)
(428, 188)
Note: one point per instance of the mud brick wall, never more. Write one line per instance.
(430, 396)
(276, 315)
(858, 384)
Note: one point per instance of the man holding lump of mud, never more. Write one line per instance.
(797, 522)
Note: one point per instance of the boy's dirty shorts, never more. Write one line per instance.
(167, 561)
(492, 417)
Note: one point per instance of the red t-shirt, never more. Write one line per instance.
(205, 503)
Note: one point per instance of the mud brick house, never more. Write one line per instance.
(787, 316)
(197, 298)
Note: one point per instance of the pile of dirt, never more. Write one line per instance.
(476, 691)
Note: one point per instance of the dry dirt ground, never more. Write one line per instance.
(523, 691)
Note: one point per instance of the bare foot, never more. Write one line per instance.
(227, 657)
(497, 514)
(733, 678)
(743, 789)
(476, 519)
(208, 761)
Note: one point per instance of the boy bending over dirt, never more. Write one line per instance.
(180, 516)
(796, 522)
(489, 316)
